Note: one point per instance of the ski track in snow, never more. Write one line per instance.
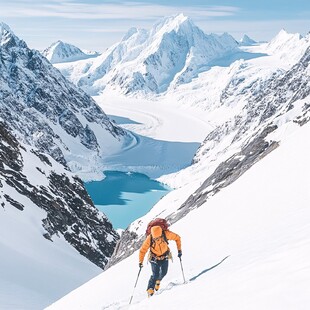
(124, 304)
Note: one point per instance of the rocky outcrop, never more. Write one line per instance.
(69, 209)
(47, 111)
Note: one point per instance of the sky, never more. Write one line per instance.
(96, 25)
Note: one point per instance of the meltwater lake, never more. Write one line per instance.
(124, 197)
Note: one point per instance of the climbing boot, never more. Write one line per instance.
(157, 285)
(150, 292)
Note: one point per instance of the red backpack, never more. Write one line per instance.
(157, 222)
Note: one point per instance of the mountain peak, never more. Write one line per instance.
(246, 40)
(64, 52)
(171, 23)
(4, 26)
(5, 33)
(58, 42)
(284, 40)
(283, 34)
(8, 38)
(172, 52)
(179, 18)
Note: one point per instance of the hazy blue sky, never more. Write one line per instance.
(96, 25)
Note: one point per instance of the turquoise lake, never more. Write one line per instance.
(124, 197)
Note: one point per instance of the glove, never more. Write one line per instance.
(140, 265)
(179, 253)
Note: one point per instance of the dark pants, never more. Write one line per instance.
(159, 270)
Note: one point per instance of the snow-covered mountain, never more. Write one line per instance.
(254, 115)
(233, 193)
(50, 230)
(241, 208)
(50, 113)
(51, 235)
(247, 247)
(65, 52)
(246, 40)
(171, 53)
(289, 46)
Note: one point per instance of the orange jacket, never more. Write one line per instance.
(159, 247)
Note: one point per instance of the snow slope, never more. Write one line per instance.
(41, 229)
(34, 271)
(247, 248)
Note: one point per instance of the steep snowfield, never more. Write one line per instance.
(35, 271)
(260, 223)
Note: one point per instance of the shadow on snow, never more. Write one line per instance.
(208, 269)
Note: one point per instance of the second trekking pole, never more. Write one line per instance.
(182, 269)
(135, 285)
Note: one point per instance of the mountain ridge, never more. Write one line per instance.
(171, 53)
(50, 113)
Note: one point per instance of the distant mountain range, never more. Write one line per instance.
(171, 53)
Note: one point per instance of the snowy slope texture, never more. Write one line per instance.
(47, 111)
(52, 238)
(263, 111)
(248, 247)
(65, 52)
(171, 53)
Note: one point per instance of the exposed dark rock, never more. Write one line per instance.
(69, 210)
(228, 172)
(35, 99)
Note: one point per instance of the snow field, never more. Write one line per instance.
(260, 222)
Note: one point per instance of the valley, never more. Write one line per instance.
(216, 129)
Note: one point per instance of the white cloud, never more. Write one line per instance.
(125, 10)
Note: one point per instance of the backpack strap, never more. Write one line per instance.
(163, 235)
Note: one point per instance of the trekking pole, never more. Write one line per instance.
(182, 269)
(135, 286)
